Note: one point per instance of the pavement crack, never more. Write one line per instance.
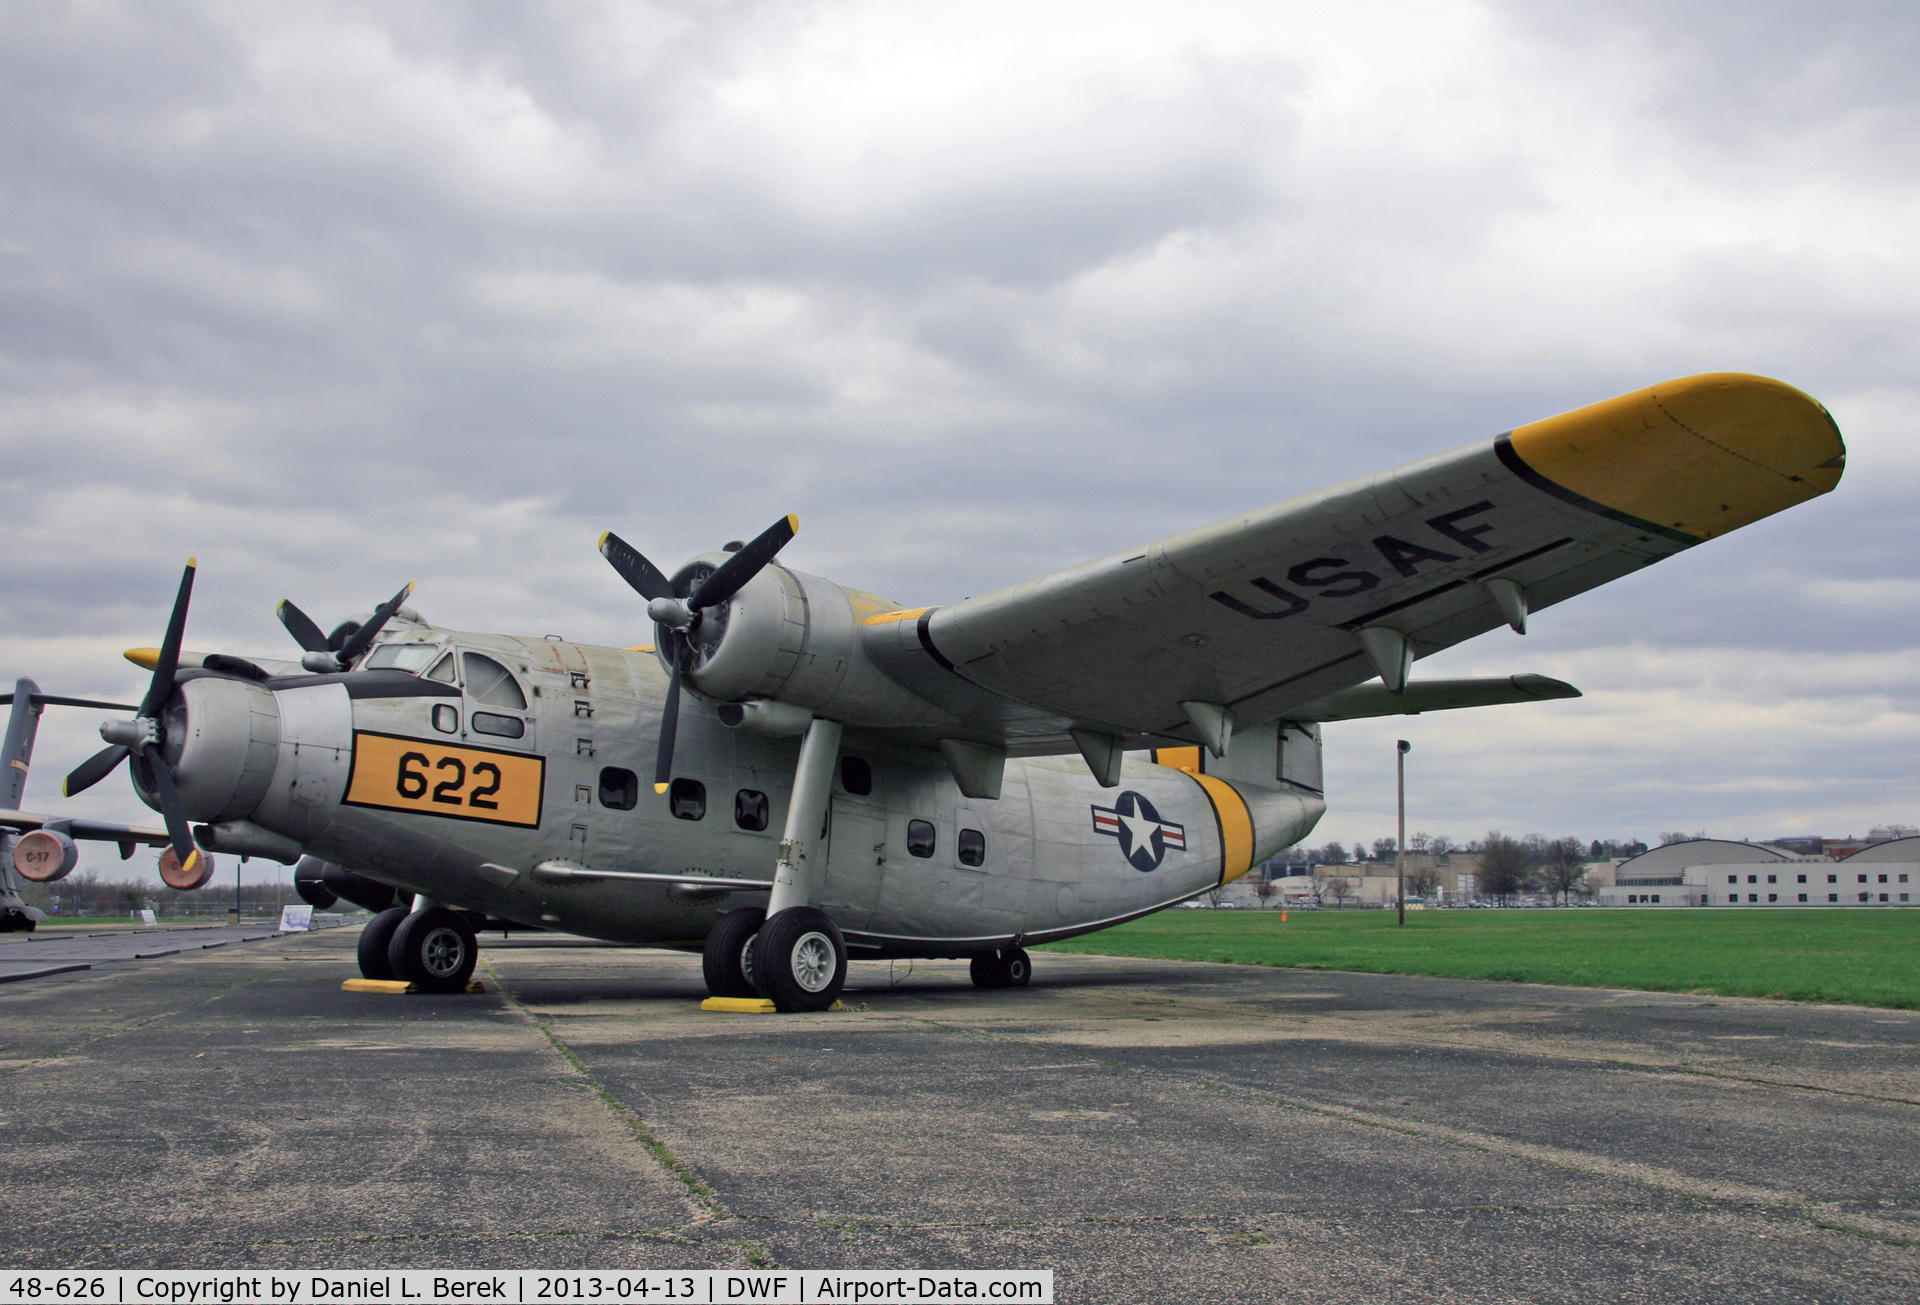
(703, 1202)
(1685, 1186)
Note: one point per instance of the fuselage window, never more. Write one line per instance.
(973, 847)
(920, 837)
(619, 788)
(446, 718)
(442, 670)
(410, 657)
(489, 682)
(506, 727)
(856, 776)
(750, 809)
(687, 799)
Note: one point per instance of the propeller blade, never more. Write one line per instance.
(93, 770)
(642, 575)
(161, 687)
(300, 626)
(359, 641)
(175, 815)
(745, 564)
(74, 702)
(673, 642)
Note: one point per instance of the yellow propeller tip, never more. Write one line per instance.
(193, 563)
(602, 541)
(145, 658)
(63, 789)
(793, 522)
(660, 788)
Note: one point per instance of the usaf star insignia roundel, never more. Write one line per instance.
(1145, 838)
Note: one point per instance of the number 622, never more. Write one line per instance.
(413, 781)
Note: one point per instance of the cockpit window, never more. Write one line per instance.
(443, 670)
(489, 682)
(410, 657)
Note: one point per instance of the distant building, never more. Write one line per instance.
(1717, 872)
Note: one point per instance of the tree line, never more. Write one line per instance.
(88, 893)
(1507, 866)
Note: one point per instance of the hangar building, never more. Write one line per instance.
(1718, 872)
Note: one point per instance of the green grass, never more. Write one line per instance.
(1867, 958)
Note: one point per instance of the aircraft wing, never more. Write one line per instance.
(1266, 612)
(100, 830)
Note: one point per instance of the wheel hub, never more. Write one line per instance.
(442, 953)
(813, 961)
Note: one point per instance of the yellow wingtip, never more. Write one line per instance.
(660, 788)
(145, 658)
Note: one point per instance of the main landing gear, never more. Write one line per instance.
(1011, 968)
(798, 959)
(435, 949)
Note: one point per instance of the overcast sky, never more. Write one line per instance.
(339, 295)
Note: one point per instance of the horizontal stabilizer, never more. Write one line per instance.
(1373, 698)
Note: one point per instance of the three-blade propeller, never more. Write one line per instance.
(339, 650)
(144, 736)
(678, 619)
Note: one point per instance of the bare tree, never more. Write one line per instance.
(1563, 867)
(1505, 866)
(1419, 840)
(1359, 852)
(1423, 882)
(1264, 890)
(1383, 849)
(1440, 845)
(1331, 854)
(1339, 888)
(1672, 836)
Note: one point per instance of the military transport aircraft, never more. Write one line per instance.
(833, 774)
(46, 851)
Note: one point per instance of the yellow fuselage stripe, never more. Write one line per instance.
(1236, 826)
(1230, 813)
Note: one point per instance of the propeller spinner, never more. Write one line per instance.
(678, 619)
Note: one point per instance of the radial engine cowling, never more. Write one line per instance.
(784, 635)
(222, 743)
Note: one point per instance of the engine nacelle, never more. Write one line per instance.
(792, 638)
(45, 856)
(223, 741)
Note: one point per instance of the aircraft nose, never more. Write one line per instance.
(222, 742)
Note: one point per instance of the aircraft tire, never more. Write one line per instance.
(1016, 967)
(988, 971)
(800, 960)
(375, 939)
(725, 961)
(435, 950)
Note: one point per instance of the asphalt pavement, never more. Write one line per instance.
(1152, 1131)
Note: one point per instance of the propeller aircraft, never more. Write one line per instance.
(834, 775)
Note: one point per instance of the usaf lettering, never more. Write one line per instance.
(1336, 577)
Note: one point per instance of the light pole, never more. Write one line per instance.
(1400, 844)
